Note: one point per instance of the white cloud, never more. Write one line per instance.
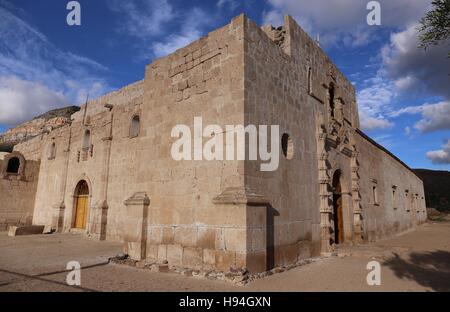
(20, 100)
(414, 70)
(374, 102)
(374, 123)
(35, 75)
(408, 131)
(191, 30)
(230, 4)
(143, 19)
(442, 156)
(408, 71)
(338, 21)
(174, 42)
(434, 116)
(405, 83)
(151, 21)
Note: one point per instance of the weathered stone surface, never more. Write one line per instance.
(219, 214)
(25, 230)
(18, 191)
(135, 226)
(175, 254)
(160, 268)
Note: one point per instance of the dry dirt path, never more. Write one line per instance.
(418, 260)
(415, 261)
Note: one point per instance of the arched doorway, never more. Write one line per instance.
(338, 209)
(81, 205)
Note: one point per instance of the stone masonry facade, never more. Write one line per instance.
(17, 189)
(334, 185)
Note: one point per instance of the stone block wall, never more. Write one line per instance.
(52, 177)
(185, 227)
(276, 94)
(399, 201)
(17, 192)
(224, 214)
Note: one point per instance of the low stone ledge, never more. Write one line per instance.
(25, 230)
(240, 277)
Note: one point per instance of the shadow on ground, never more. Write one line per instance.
(429, 269)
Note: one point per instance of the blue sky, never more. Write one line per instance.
(403, 92)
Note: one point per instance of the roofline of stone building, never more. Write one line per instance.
(112, 92)
(288, 17)
(381, 147)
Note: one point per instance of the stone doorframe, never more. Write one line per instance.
(358, 231)
(325, 207)
(74, 205)
(326, 194)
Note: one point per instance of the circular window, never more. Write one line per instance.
(287, 145)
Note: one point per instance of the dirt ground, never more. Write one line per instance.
(418, 260)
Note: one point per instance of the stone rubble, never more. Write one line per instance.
(240, 277)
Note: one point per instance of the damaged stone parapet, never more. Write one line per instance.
(276, 34)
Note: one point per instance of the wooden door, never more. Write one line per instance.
(338, 217)
(81, 212)
(340, 220)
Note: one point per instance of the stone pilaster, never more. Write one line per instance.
(357, 211)
(256, 231)
(100, 210)
(326, 209)
(98, 221)
(58, 213)
(58, 217)
(135, 225)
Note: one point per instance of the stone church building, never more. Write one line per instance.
(110, 175)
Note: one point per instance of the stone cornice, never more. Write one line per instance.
(238, 195)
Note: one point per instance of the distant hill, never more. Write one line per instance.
(51, 120)
(65, 112)
(437, 188)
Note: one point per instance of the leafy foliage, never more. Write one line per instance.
(435, 25)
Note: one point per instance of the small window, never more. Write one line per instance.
(309, 80)
(13, 166)
(86, 139)
(394, 197)
(135, 126)
(375, 195)
(407, 201)
(52, 151)
(287, 146)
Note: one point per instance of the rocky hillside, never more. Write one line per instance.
(48, 121)
(437, 188)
